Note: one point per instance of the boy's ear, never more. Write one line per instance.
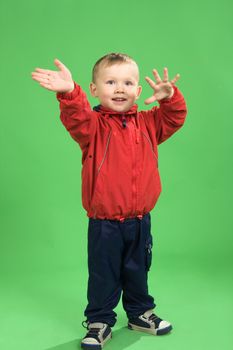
(93, 90)
(139, 91)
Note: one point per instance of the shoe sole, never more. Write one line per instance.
(96, 346)
(158, 331)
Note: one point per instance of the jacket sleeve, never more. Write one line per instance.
(77, 116)
(168, 117)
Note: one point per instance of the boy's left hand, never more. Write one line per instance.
(162, 88)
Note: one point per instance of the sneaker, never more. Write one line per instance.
(98, 334)
(150, 323)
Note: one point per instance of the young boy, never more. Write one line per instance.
(120, 184)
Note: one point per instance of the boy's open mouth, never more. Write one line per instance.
(120, 99)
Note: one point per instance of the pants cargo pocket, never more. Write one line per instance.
(148, 252)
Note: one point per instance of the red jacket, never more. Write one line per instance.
(120, 176)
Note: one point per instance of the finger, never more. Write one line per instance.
(46, 71)
(150, 100)
(59, 64)
(39, 75)
(151, 82)
(174, 80)
(41, 80)
(157, 76)
(165, 75)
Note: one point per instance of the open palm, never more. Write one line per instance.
(162, 88)
(58, 81)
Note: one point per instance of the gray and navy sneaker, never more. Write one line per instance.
(150, 323)
(98, 334)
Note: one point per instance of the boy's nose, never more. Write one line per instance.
(119, 88)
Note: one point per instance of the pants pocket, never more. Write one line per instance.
(148, 252)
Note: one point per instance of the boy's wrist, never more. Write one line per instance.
(171, 94)
(69, 94)
(70, 90)
(170, 97)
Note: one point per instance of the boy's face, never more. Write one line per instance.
(117, 86)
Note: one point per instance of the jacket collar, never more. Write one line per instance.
(104, 110)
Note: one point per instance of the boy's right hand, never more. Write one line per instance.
(58, 81)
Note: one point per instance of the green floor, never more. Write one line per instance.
(44, 311)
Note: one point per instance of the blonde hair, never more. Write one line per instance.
(109, 60)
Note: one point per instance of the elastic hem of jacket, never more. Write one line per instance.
(122, 219)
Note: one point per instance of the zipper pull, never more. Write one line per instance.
(123, 121)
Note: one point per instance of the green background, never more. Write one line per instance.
(43, 258)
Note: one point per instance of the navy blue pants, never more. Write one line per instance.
(119, 258)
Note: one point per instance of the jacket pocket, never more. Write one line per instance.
(151, 146)
(97, 198)
(148, 252)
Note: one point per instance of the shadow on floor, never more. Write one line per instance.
(121, 339)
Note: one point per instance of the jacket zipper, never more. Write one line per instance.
(134, 174)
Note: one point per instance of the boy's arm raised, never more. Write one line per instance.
(74, 106)
(77, 115)
(170, 115)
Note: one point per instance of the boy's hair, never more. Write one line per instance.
(109, 60)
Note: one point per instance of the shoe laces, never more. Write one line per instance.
(154, 318)
(85, 322)
(91, 331)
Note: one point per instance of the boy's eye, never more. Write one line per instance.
(128, 83)
(110, 82)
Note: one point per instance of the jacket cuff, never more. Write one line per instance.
(69, 95)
